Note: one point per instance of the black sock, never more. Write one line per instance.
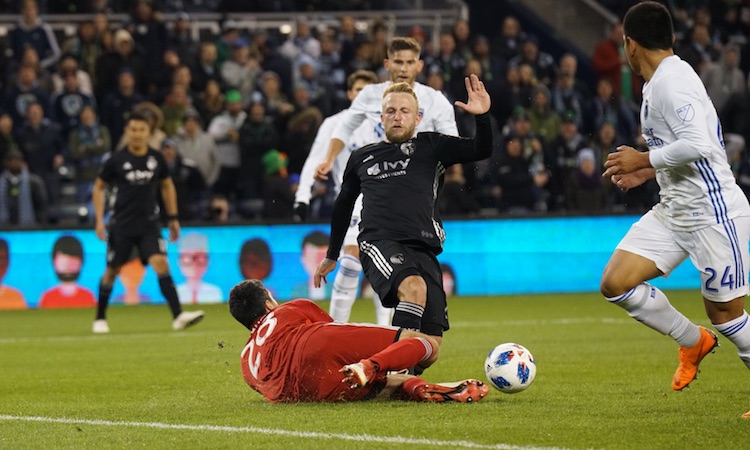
(105, 291)
(170, 294)
(408, 315)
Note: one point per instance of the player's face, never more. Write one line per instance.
(356, 89)
(400, 116)
(404, 65)
(67, 267)
(193, 264)
(138, 133)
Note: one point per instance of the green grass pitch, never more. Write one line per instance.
(603, 381)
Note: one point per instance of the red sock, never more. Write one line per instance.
(403, 354)
(409, 388)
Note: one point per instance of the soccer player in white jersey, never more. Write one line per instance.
(347, 279)
(702, 213)
(437, 114)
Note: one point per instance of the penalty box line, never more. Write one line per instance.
(277, 432)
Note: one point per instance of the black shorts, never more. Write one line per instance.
(121, 246)
(387, 263)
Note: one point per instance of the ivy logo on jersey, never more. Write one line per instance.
(373, 170)
(407, 148)
(686, 113)
(388, 169)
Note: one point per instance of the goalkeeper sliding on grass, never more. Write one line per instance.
(297, 353)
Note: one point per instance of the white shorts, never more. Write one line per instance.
(353, 231)
(719, 252)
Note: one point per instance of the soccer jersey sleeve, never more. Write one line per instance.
(682, 106)
(445, 117)
(356, 114)
(316, 156)
(451, 150)
(344, 205)
(108, 173)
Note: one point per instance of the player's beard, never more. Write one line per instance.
(67, 277)
(399, 135)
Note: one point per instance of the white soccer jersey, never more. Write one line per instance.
(318, 153)
(686, 147)
(437, 113)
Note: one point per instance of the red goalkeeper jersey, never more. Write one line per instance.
(295, 351)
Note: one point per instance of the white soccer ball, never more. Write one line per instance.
(510, 368)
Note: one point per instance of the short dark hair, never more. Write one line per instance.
(135, 115)
(68, 245)
(316, 238)
(257, 247)
(367, 76)
(399, 43)
(247, 302)
(649, 24)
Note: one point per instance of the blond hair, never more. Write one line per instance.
(401, 88)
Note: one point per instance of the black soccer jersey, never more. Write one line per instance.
(136, 184)
(400, 185)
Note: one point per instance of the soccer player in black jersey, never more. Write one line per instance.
(136, 174)
(400, 179)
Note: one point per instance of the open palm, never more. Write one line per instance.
(479, 100)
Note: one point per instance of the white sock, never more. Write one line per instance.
(345, 288)
(738, 331)
(649, 305)
(382, 314)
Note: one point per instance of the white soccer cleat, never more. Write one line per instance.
(186, 319)
(100, 327)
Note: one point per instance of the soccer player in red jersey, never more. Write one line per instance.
(297, 353)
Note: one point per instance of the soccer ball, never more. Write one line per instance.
(510, 368)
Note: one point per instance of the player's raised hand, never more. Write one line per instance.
(479, 100)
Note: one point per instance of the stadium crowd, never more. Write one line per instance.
(236, 115)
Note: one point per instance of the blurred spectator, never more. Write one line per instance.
(507, 44)
(42, 144)
(219, 210)
(123, 55)
(610, 63)
(606, 107)
(149, 34)
(542, 62)
(210, 102)
(7, 138)
(229, 34)
(724, 80)
(25, 91)
(85, 47)
(531, 144)
(301, 42)
(68, 64)
(204, 68)
(560, 157)
(568, 94)
(181, 39)
(225, 129)
(87, 144)
(455, 198)
(379, 39)
(161, 83)
(118, 104)
(348, 38)
(516, 93)
(450, 64)
(278, 197)
(362, 58)
(23, 197)
(32, 31)
(241, 70)
(278, 107)
(198, 146)
(584, 191)
(545, 122)
(330, 69)
(258, 135)
(188, 182)
(174, 107)
(518, 187)
(300, 131)
(697, 49)
(462, 34)
(603, 143)
(492, 75)
(66, 105)
(320, 93)
(29, 57)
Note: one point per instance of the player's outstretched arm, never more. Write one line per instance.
(479, 100)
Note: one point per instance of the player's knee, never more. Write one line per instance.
(612, 286)
(352, 250)
(413, 290)
(159, 264)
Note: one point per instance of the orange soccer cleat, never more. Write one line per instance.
(746, 415)
(467, 391)
(691, 357)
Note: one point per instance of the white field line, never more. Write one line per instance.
(458, 324)
(369, 438)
